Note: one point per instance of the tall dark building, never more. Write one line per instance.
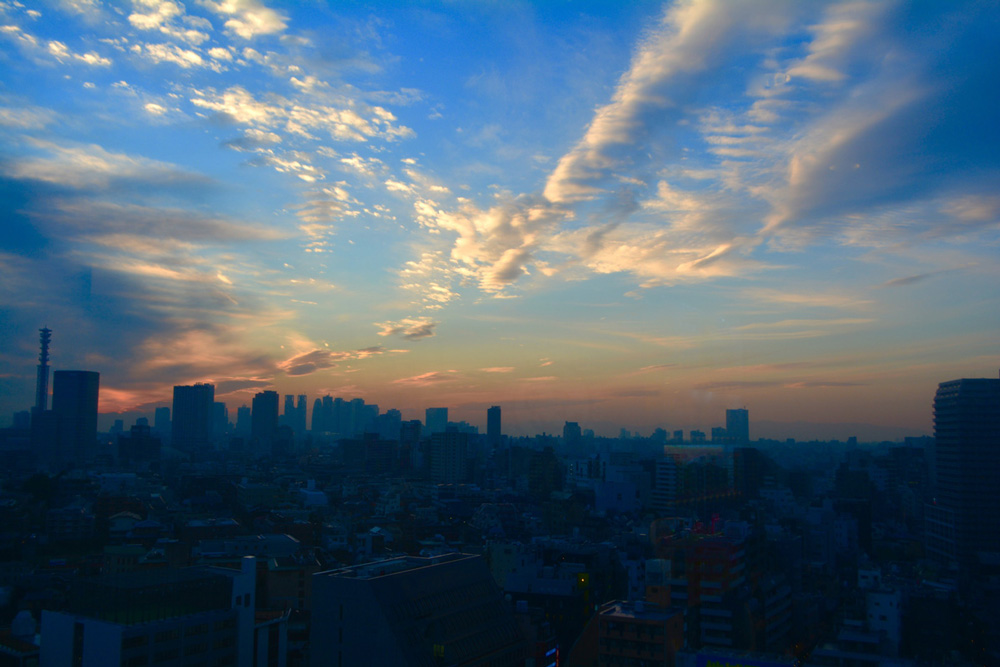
(193, 408)
(493, 433)
(299, 424)
(264, 421)
(572, 433)
(738, 426)
(74, 404)
(317, 417)
(42, 381)
(435, 420)
(161, 422)
(288, 415)
(964, 517)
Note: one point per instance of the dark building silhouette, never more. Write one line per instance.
(965, 516)
(748, 471)
(738, 426)
(449, 454)
(317, 416)
(299, 423)
(191, 428)
(74, 405)
(435, 420)
(139, 446)
(264, 421)
(493, 433)
(161, 422)
(572, 433)
(445, 610)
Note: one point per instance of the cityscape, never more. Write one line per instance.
(544, 333)
(192, 538)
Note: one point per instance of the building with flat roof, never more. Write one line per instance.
(163, 617)
(964, 517)
(443, 610)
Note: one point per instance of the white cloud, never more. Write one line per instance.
(169, 53)
(248, 18)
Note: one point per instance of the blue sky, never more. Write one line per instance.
(633, 214)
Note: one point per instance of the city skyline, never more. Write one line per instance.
(640, 215)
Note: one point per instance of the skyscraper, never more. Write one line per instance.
(436, 420)
(264, 421)
(738, 426)
(299, 426)
(74, 404)
(288, 415)
(161, 422)
(191, 428)
(493, 436)
(965, 516)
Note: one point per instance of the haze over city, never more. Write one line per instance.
(621, 214)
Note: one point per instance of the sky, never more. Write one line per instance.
(622, 214)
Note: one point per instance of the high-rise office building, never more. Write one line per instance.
(74, 404)
(264, 421)
(965, 516)
(493, 433)
(444, 610)
(317, 416)
(738, 426)
(288, 415)
(161, 422)
(572, 433)
(193, 408)
(220, 420)
(299, 425)
(243, 418)
(436, 420)
(449, 452)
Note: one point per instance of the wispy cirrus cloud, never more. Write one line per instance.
(428, 379)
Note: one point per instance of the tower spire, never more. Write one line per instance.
(42, 383)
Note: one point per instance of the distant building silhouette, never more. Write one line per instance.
(436, 420)
(449, 453)
(493, 432)
(161, 422)
(74, 405)
(965, 517)
(299, 423)
(264, 421)
(738, 426)
(572, 433)
(191, 427)
(243, 418)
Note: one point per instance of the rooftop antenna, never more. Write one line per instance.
(42, 384)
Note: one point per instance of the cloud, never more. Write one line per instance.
(495, 246)
(692, 38)
(223, 387)
(91, 166)
(498, 369)
(411, 328)
(428, 379)
(320, 358)
(248, 18)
